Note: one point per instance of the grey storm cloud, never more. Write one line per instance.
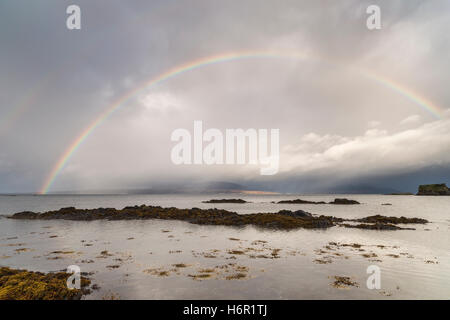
(54, 82)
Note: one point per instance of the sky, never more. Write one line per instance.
(352, 107)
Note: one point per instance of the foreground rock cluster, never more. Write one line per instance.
(284, 219)
(28, 285)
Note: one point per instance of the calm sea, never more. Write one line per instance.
(157, 259)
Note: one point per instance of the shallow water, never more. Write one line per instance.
(141, 254)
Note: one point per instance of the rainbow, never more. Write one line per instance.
(203, 62)
(425, 104)
(19, 109)
(13, 116)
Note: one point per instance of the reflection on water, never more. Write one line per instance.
(157, 259)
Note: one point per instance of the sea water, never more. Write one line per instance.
(161, 259)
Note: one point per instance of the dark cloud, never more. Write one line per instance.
(55, 82)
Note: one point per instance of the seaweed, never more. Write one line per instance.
(225, 201)
(300, 201)
(284, 219)
(343, 282)
(28, 285)
(393, 220)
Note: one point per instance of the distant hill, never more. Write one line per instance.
(211, 187)
(186, 188)
(359, 189)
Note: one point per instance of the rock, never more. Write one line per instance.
(26, 215)
(433, 190)
(225, 201)
(336, 201)
(296, 214)
(29, 285)
(285, 220)
(394, 220)
(300, 201)
(375, 226)
(344, 201)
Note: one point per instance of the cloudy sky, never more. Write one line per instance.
(340, 127)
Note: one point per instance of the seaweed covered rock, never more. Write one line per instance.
(433, 190)
(28, 285)
(393, 220)
(296, 214)
(26, 215)
(284, 220)
(225, 201)
(336, 201)
(375, 226)
(344, 201)
(300, 201)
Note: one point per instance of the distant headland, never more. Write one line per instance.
(433, 190)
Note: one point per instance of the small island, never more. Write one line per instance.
(300, 201)
(433, 190)
(225, 201)
(344, 201)
(336, 201)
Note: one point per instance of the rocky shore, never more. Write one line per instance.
(284, 219)
(28, 285)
